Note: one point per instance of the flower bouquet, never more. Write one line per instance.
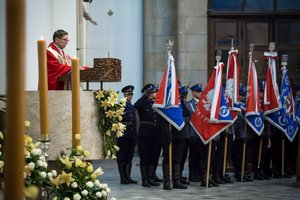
(78, 179)
(110, 120)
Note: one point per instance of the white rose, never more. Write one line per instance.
(50, 175)
(74, 185)
(36, 152)
(1, 163)
(45, 164)
(98, 194)
(54, 173)
(89, 184)
(43, 158)
(43, 174)
(31, 165)
(54, 198)
(103, 186)
(40, 163)
(97, 183)
(27, 154)
(76, 196)
(104, 193)
(67, 198)
(108, 190)
(84, 192)
(113, 198)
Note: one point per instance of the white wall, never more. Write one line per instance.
(122, 34)
(42, 19)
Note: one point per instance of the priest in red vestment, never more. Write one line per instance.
(58, 63)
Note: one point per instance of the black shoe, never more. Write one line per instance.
(184, 181)
(157, 179)
(124, 180)
(167, 185)
(203, 184)
(194, 179)
(258, 175)
(178, 185)
(130, 180)
(213, 183)
(153, 182)
(219, 181)
(146, 183)
(227, 179)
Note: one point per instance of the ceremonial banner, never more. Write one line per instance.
(298, 112)
(285, 118)
(233, 83)
(167, 102)
(253, 115)
(212, 115)
(271, 101)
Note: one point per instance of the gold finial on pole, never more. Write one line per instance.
(271, 46)
(218, 56)
(169, 44)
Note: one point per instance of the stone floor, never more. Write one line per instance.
(266, 189)
(259, 190)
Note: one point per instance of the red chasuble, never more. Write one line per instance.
(58, 64)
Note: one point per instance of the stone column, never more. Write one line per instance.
(184, 21)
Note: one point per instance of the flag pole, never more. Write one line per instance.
(169, 44)
(218, 58)
(244, 154)
(284, 64)
(225, 153)
(208, 164)
(259, 153)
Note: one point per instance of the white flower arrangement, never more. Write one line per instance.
(78, 179)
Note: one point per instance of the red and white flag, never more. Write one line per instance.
(233, 83)
(271, 101)
(212, 114)
(253, 115)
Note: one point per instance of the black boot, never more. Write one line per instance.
(176, 178)
(121, 167)
(258, 175)
(166, 176)
(128, 172)
(151, 173)
(192, 177)
(144, 173)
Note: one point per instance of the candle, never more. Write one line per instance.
(43, 89)
(15, 113)
(75, 103)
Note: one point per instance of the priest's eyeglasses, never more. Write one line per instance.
(65, 39)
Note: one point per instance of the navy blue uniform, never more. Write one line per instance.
(128, 141)
(149, 138)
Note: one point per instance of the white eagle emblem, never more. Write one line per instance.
(229, 89)
(208, 99)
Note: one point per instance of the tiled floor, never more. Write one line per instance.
(266, 189)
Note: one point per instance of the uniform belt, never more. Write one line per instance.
(149, 123)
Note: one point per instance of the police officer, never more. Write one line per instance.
(195, 143)
(240, 139)
(179, 142)
(128, 141)
(148, 135)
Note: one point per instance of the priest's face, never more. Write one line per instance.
(62, 42)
